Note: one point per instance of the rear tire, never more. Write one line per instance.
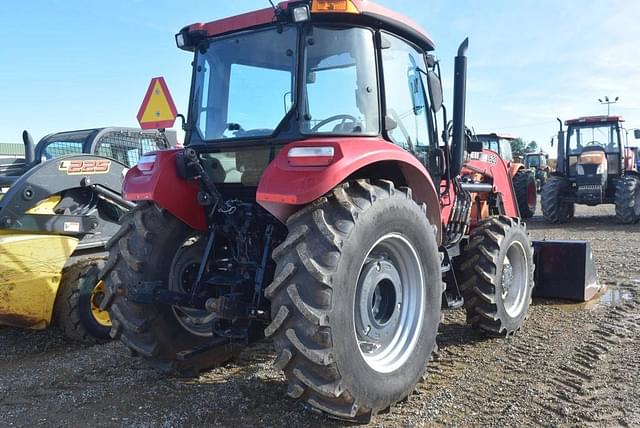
(75, 310)
(496, 276)
(335, 258)
(524, 185)
(554, 209)
(144, 249)
(628, 199)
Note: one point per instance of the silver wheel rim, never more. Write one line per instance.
(389, 303)
(196, 322)
(514, 279)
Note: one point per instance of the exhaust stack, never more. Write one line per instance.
(459, 108)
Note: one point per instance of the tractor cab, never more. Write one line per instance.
(595, 159)
(499, 143)
(536, 160)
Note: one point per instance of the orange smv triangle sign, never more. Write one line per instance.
(157, 110)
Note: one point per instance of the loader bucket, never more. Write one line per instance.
(30, 271)
(565, 270)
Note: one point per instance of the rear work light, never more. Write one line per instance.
(301, 13)
(146, 162)
(343, 6)
(311, 156)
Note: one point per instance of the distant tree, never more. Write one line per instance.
(518, 147)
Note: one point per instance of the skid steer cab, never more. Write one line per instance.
(595, 166)
(56, 213)
(322, 200)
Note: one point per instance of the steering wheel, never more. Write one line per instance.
(594, 143)
(343, 117)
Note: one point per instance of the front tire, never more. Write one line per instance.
(148, 247)
(554, 209)
(628, 199)
(496, 276)
(77, 304)
(524, 185)
(356, 299)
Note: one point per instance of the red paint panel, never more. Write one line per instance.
(163, 186)
(267, 16)
(284, 189)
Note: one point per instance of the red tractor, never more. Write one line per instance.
(524, 181)
(322, 200)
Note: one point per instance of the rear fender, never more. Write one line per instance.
(284, 189)
(165, 188)
(515, 168)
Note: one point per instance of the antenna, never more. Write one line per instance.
(273, 5)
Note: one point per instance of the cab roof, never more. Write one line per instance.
(361, 12)
(498, 135)
(594, 119)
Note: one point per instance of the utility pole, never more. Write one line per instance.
(608, 103)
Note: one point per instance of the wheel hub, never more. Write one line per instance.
(380, 297)
(97, 295)
(184, 271)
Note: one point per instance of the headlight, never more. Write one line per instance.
(579, 169)
(601, 169)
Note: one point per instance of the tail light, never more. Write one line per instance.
(311, 156)
(147, 162)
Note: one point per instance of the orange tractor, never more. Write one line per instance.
(524, 181)
(337, 223)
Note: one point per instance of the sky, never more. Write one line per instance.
(71, 64)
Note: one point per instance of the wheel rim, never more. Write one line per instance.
(183, 273)
(515, 274)
(97, 295)
(389, 303)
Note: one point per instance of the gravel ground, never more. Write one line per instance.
(571, 365)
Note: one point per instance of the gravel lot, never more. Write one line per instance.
(572, 364)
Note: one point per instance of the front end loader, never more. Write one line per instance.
(55, 217)
(524, 181)
(337, 223)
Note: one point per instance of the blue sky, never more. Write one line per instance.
(69, 64)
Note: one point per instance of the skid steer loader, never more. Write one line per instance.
(58, 208)
(345, 222)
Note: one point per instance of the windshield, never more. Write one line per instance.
(244, 84)
(602, 135)
(532, 161)
(502, 146)
(340, 82)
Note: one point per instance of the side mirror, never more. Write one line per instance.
(474, 146)
(435, 91)
(553, 139)
(636, 133)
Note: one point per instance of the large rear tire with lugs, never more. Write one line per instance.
(153, 245)
(356, 299)
(554, 209)
(524, 185)
(495, 273)
(628, 199)
(77, 307)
